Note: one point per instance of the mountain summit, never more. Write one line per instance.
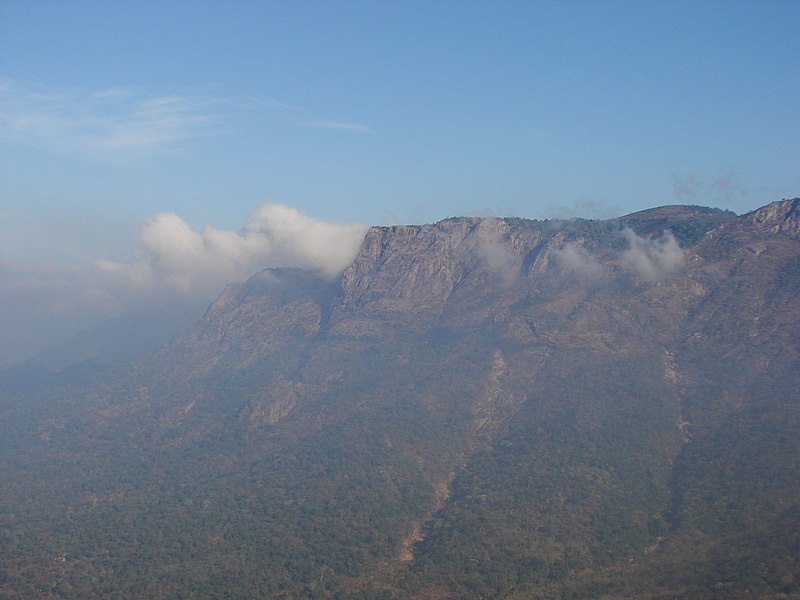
(497, 408)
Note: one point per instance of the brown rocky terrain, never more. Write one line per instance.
(476, 408)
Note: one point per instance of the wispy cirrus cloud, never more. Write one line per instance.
(345, 126)
(116, 121)
(124, 121)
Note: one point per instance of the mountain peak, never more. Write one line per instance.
(782, 216)
(479, 407)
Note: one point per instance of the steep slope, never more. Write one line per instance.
(667, 470)
(479, 407)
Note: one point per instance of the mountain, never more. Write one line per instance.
(498, 408)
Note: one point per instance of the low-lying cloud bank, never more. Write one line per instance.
(175, 255)
(653, 258)
(176, 265)
(41, 305)
(574, 258)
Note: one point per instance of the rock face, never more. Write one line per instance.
(779, 217)
(479, 407)
(403, 271)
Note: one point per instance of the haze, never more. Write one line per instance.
(150, 153)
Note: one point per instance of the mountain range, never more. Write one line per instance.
(477, 408)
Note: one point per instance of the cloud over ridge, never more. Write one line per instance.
(572, 257)
(653, 258)
(173, 254)
(175, 264)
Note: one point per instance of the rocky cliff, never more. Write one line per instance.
(478, 407)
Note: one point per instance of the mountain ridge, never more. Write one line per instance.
(496, 407)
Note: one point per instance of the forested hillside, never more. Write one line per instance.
(496, 408)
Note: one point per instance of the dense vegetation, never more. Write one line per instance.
(555, 436)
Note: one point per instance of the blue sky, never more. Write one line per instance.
(377, 112)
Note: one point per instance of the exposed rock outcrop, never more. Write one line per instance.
(511, 408)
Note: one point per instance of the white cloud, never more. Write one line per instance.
(574, 258)
(175, 255)
(496, 250)
(175, 264)
(655, 258)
